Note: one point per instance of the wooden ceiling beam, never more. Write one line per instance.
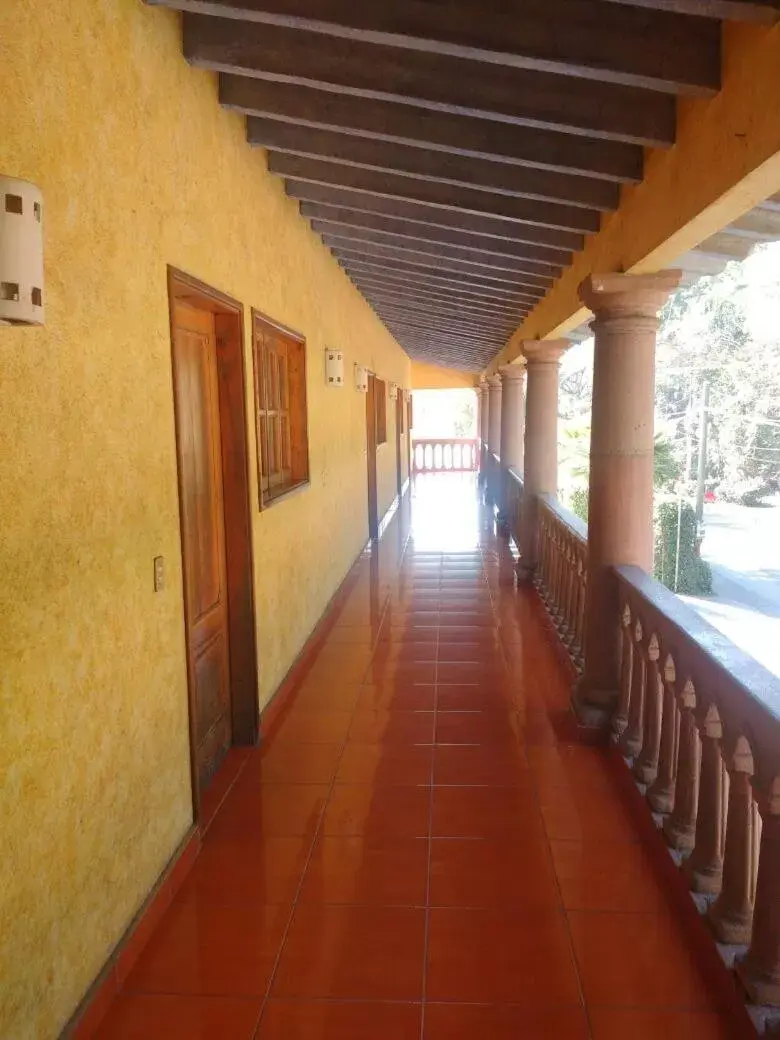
(439, 81)
(452, 285)
(431, 216)
(459, 198)
(366, 153)
(507, 285)
(761, 12)
(615, 45)
(441, 319)
(422, 295)
(395, 321)
(442, 258)
(499, 290)
(302, 105)
(374, 227)
(440, 313)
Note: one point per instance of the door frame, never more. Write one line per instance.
(399, 436)
(239, 562)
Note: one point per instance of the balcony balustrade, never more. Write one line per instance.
(445, 455)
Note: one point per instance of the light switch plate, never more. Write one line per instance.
(159, 574)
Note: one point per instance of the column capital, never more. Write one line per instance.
(544, 351)
(493, 381)
(512, 373)
(482, 386)
(628, 295)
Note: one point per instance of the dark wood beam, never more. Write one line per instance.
(432, 216)
(466, 357)
(428, 128)
(440, 313)
(443, 332)
(382, 156)
(435, 193)
(401, 331)
(477, 281)
(424, 301)
(762, 12)
(453, 285)
(373, 227)
(441, 257)
(421, 296)
(615, 45)
(450, 84)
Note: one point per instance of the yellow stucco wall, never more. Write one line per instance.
(434, 377)
(139, 168)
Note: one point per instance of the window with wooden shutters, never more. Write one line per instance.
(280, 407)
(380, 398)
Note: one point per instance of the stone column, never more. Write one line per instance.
(540, 466)
(484, 409)
(512, 427)
(620, 502)
(494, 413)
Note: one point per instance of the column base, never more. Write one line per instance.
(526, 572)
(594, 708)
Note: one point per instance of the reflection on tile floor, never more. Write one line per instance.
(417, 851)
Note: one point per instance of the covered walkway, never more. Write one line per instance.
(420, 848)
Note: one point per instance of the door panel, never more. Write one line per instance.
(373, 509)
(399, 425)
(203, 535)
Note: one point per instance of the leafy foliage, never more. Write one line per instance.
(694, 576)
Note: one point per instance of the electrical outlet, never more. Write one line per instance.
(159, 574)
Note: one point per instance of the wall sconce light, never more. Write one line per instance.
(394, 391)
(21, 253)
(361, 379)
(334, 367)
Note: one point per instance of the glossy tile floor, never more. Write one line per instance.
(417, 851)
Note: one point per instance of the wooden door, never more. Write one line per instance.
(373, 509)
(399, 440)
(201, 493)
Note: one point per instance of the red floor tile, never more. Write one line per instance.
(206, 948)
(296, 763)
(480, 764)
(486, 812)
(473, 872)
(578, 767)
(501, 956)
(390, 764)
(255, 811)
(507, 1022)
(326, 1020)
(385, 811)
(593, 815)
(235, 871)
(312, 727)
(637, 960)
(607, 876)
(650, 1025)
(402, 697)
(472, 697)
(494, 729)
(368, 870)
(392, 727)
(353, 953)
(145, 1015)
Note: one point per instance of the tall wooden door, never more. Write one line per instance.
(399, 441)
(373, 508)
(201, 494)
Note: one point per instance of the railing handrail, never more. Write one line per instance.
(732, 666)
(517, 476)
(577, 527)
(445, 440)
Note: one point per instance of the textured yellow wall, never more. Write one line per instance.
(434, 377)
(139, 168)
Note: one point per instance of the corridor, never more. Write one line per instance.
(419, 849)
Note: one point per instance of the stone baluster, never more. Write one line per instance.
(661, 792)
(620, 719)
(704, 866)
(759, 970)
(731, 915)
(680, 825)
(631, 742)
(646, 765)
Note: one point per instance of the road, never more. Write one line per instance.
(743, 548)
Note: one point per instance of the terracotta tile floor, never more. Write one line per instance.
(418, 850)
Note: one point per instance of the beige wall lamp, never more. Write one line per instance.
(21, 253)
